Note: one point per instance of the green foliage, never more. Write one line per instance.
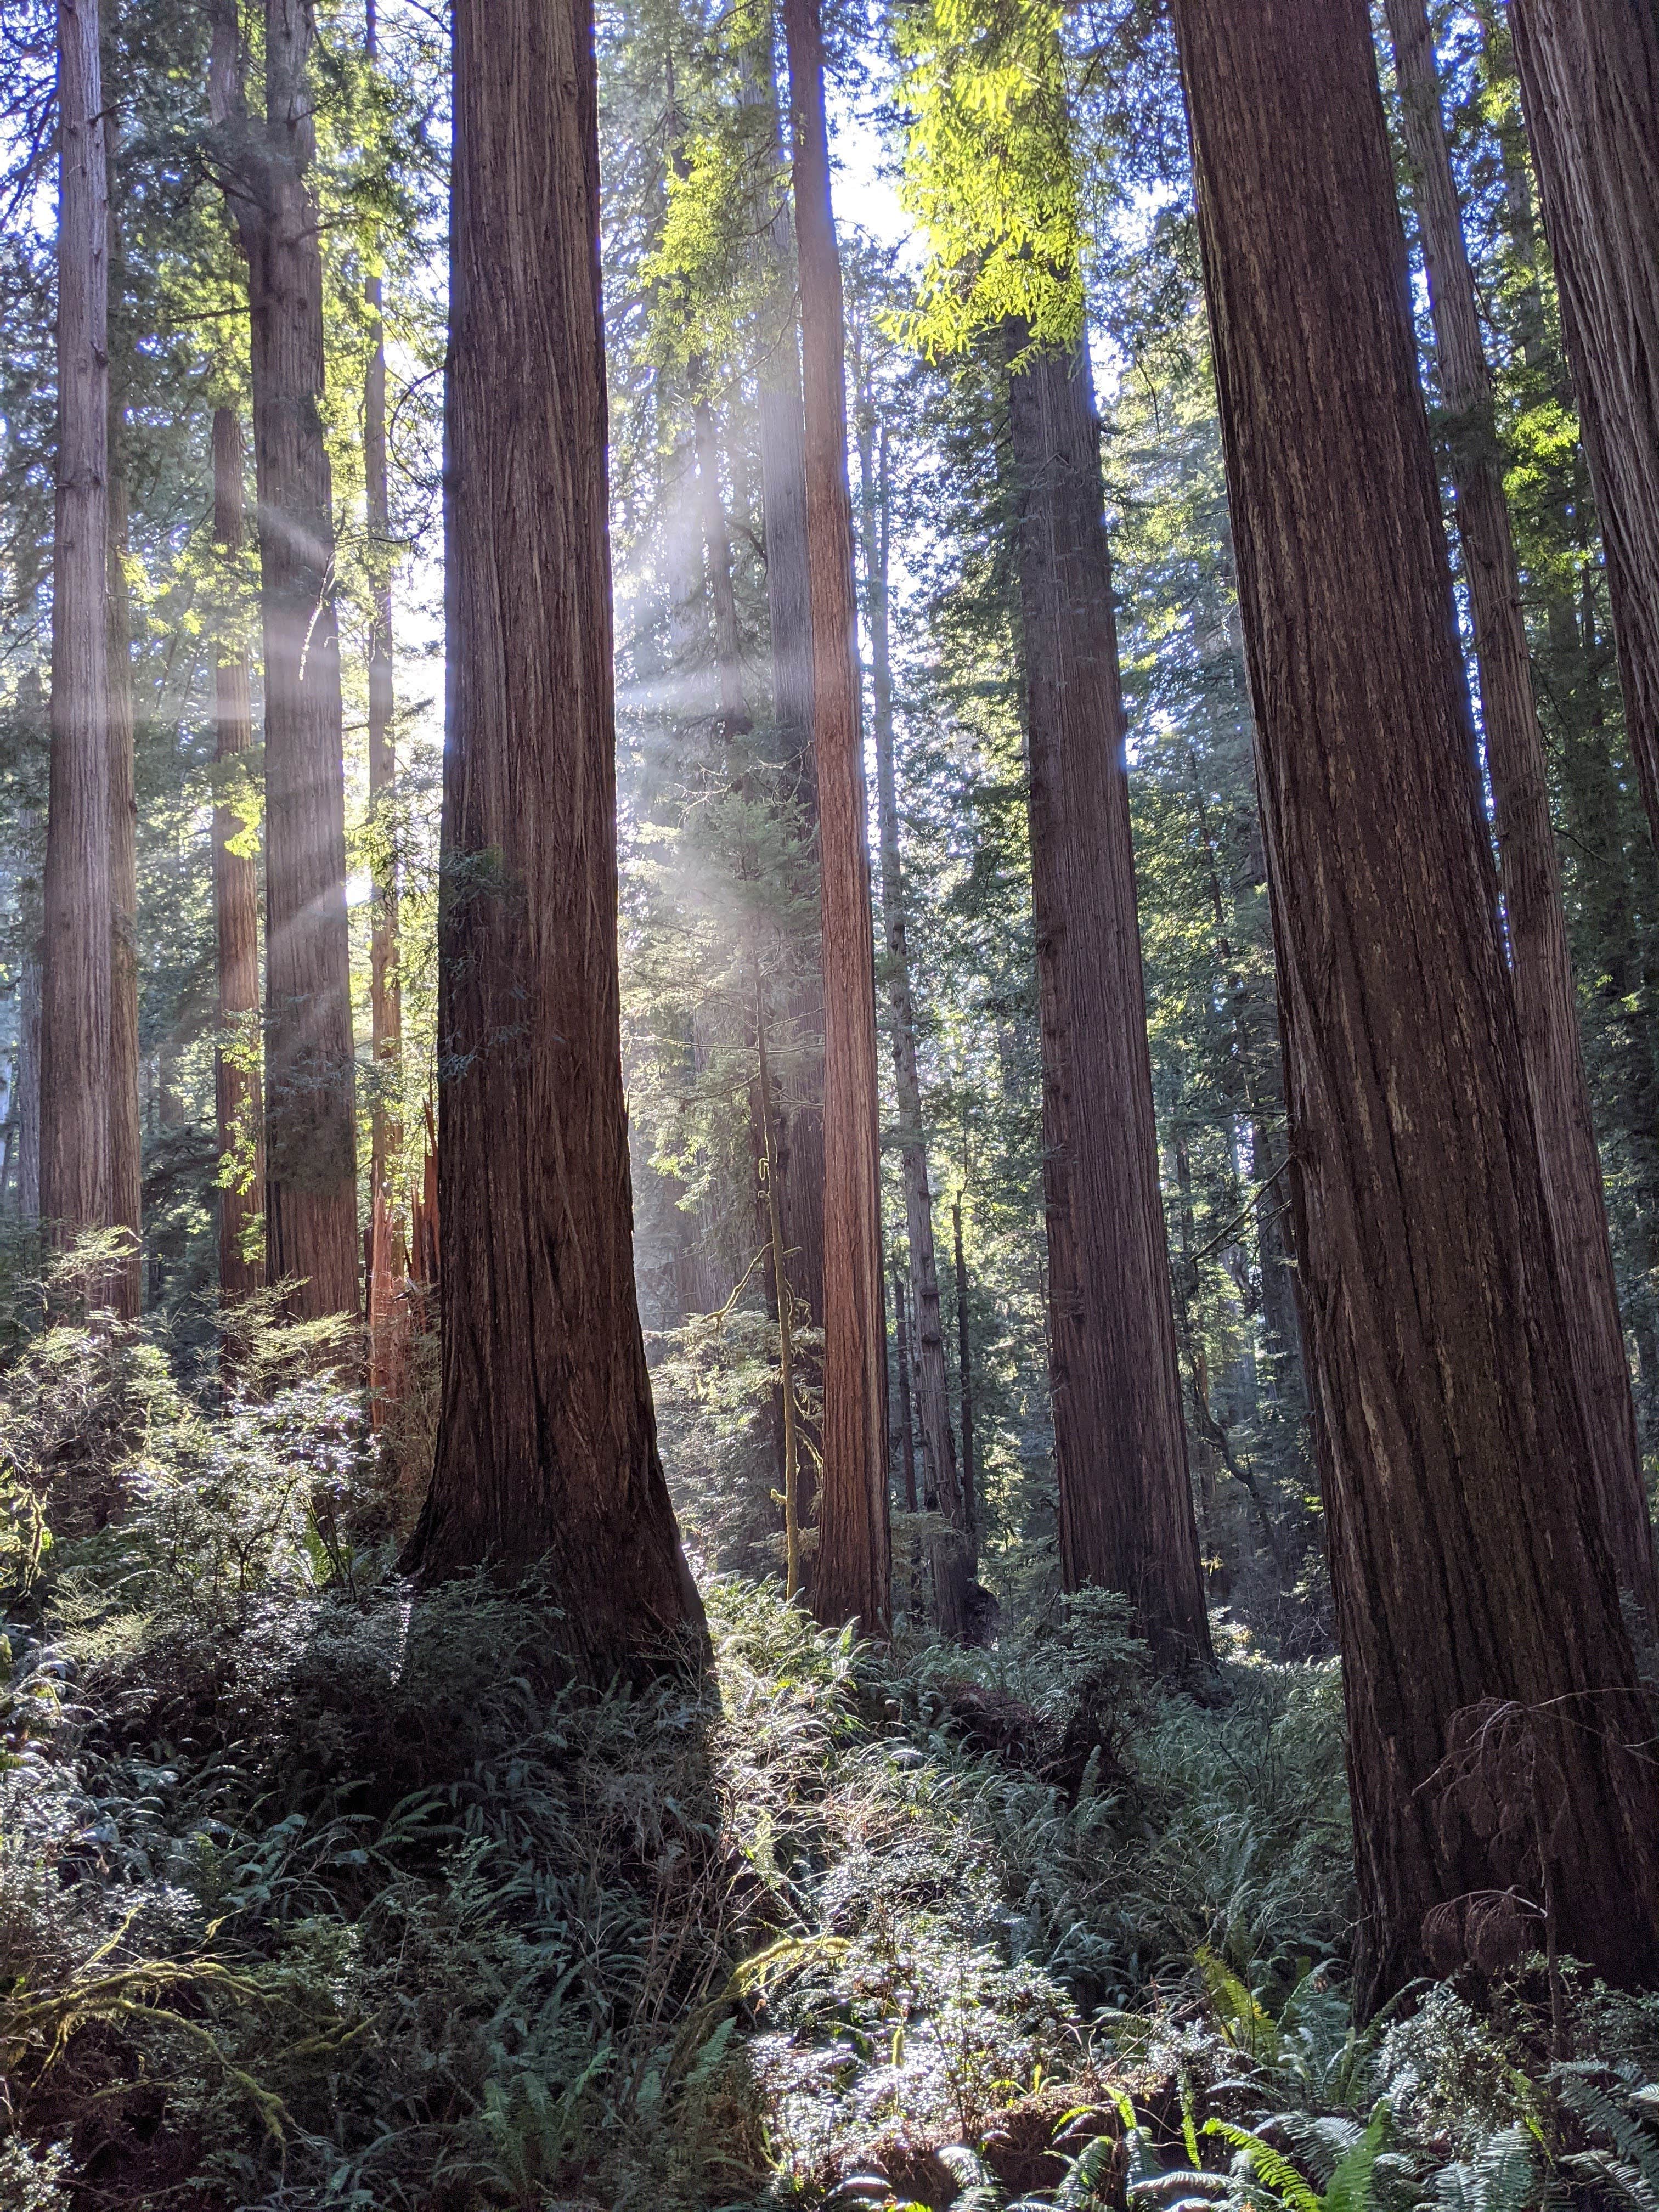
(989, 176)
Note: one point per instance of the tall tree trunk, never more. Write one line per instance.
(852, 1575)
(1126, 1507)
(125, 1136)
(789, 1451)
(789, 613)
(235, 909)
(388, 1306)
(965, 1383)
(906, 1425)
(950, 1575)
(1589, 84)
(75, 1182)
(547, 1443)
(311, 1155)
(1467, 1559)
(1530, 865)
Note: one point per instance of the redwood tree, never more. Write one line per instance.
(941, 1487)
(235, 906)
(76, 1177)
(1590, 85)
(1476, 1596)
(125, 1136)
(1529, 866)
(547, 1445)
(311, 1159)
(851, 1573)
(1126, 1506)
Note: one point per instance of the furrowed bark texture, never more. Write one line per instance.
(950, 1575)
(1126, 1507)
(851, 1573)
(311, 1158)
(1590, 85)
(1467, 1553)
(547, 1443)
(75, 1185)
(235, 901)
(1529, 868)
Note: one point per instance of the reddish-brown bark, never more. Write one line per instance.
(235, 905)
(1467, 1559)
(941, 1486)
(1590, 85)
(547, 1447)
(852, 1575)
(1529, 868)
(1126, 1506)
(311, 1146)
(75, 1182)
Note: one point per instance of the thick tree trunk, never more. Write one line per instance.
(1126, 1507)
(77, 1190)
(388, 1266)
(235, 912)
(1589, 84)
(1530, 865)
(1467, 1559)
(311, 1155)
(547, 1444)
(950, 1575)
(852, 1574)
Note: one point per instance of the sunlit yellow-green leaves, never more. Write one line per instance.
(990, 175)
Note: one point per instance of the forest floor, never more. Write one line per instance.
(316, 1892)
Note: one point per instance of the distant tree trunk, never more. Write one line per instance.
(76, 1190)
(547, 1444)
(787, 1417)
(126, 1134)
(950, 1575)
(388, 1304)
(907, 1424)
(965, 1382)
(852, 1575)
(311, 1156)
(717, 542)
(1589, 84)
(1468, 1559)
(1126, 1507)
(235, 909)
(1530, 865)
(783, 514)
(26, 1104)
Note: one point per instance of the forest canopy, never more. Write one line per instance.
(829, 1104)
